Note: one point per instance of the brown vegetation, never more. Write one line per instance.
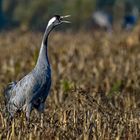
(95, 92)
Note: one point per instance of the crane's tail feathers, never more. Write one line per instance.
(7, 90)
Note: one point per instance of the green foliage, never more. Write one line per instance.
(8, 7)
(115, 88)
(80, 10)
(36, 13)
(66, 85)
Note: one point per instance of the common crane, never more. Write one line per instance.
(32, 90)
(103, 20)
(130, 18)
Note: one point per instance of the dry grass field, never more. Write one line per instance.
(95, 92)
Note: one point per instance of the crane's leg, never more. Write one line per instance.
(40, 109)
(11, 109)
(28, 111)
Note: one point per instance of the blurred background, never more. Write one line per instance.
(108, 14)
(95, 60)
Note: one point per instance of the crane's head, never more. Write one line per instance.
(57, 20)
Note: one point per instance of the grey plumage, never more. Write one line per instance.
(32, 90)
(103, 20)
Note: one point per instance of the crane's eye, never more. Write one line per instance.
(60, 19)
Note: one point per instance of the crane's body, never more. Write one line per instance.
(103, 20)
(32, 90)
(35, 89)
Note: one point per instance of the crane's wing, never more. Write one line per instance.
(20, 93)
(8, 90)
(23, 90)
(28, 89)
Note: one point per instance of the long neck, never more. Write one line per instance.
(43, 60)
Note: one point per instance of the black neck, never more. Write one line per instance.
(47, 32)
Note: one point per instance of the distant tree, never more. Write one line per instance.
(8, 7)
(36, 13)
(2, 20)
(81, 11)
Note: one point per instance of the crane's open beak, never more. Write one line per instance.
(63, 17)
